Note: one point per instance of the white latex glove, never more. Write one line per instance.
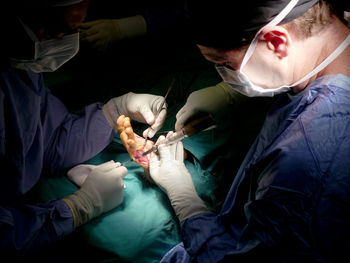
(170, 173)
(78, 173)
(104, 33)
(102, 191)
(139, 107)
(213, 100)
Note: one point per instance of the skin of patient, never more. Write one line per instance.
(133, 142)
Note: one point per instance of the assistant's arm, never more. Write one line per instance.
(24, 228)
(72, 138)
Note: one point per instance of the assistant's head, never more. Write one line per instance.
(277, 34)
(52, 18)
(42, 34)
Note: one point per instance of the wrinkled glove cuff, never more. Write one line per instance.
(112, 113)
(82, 208)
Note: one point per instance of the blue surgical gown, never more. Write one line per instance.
(290, 200)
(38, 135)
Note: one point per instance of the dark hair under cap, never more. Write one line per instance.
(228, 24)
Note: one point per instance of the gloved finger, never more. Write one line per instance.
(93, 31)
(181, 111)
(78, 173)
(182, 119)
(169, 134)
(164, 153)
(87, 32)
(91, 38)
(179, 117)
(117, 175)
(90, 24)
(145, 132)
(158, 123)
(107, 166)
(161, 138)
(171, 147)
(176, 149)
(154, 165)
(147, 114)
(179, 153)
(80, 169)
(122, 171)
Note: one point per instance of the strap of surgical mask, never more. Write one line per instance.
(326, 62)
(29, 31)
(273, 22)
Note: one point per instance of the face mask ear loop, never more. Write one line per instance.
(29, 31)
(273, 22)
(325, 62)
(32, 36)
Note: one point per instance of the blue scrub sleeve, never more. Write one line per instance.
(39, 136)
(206, 238)
(25, 228)
(76, 137)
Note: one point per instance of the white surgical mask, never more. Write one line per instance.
(49, 55)
(240, 81)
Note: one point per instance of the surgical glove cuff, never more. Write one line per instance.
(82, 207)
(184, 198)
(186, 205)
(111, 112)
(130, 27)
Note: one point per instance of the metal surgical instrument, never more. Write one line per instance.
(188, 130)
(161, 107)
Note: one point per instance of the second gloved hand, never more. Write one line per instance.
(103, 33)
(214, 100)
(102, 191)
(139, 107)
(169, 171)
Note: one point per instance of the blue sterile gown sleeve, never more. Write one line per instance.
(37, 135)
(290, 201)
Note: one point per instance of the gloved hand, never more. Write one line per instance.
(103, 33)
(80, 172)
(170, 173)
(139, 107)
(102, 191)
(214, 100)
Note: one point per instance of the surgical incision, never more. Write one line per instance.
(133, 142)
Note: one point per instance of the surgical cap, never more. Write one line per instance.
(228, 24)
(64, 2)
(42, 4)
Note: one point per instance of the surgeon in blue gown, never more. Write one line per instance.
(290, 200)
(38, 135)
